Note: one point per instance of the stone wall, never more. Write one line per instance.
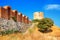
(7, 13)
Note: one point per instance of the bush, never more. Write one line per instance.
(16, 31)
(45, 24)
(8, 32)
(30, 30)
(2, 33)
(14, 18)
(35, 20)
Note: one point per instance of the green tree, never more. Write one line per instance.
(45, 24)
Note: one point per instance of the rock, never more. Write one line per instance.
(12, 25)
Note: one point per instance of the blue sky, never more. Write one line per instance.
(51, 8)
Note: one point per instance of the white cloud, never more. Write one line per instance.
(52, 6)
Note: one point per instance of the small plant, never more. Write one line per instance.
(14, 18)
(2, 32)
(16, 31)
(7, 32)
(30, 30)
(35, 20)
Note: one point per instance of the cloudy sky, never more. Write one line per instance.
(51, 8)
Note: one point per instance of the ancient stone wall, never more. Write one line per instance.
(7, 13)
(20, 17)
(1, 12)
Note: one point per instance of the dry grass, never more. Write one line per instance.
(34, 35)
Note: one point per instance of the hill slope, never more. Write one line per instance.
(34, 34)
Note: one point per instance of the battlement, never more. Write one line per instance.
(7, 13)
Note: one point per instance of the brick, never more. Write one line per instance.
(26, 20)
(1, 12)
(13, 12)
(16, 14)
(20, 17)
(7, 13)
(8, 10)
(23, 19)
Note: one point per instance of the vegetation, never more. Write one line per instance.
(45, 24)
(8, 32)
(30, 30)
(36, 20)
(2, 33)
(14, 18)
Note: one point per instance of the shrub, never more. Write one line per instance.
(2, 32)
(14, 18)
(8, 32)
(35, 20)
(16, 31)
(45, 24)
(30, 30)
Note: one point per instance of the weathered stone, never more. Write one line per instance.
(12, 25)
